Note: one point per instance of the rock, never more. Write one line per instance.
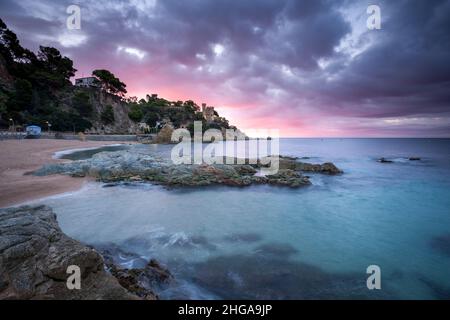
(383, 160)
(133, 165)
(164, 135)
(292, 164)
(414, 158)
(139, 281)
(327, 168)
(289, 178)
(35, 254)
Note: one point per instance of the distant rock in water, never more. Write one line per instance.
(35, 254)
(414, 158)
(384, 160)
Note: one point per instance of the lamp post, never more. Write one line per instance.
(13, 125)
(49, 125)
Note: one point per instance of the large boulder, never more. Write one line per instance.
(35, 254)
(164, 135)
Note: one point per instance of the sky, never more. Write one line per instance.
(306, 68)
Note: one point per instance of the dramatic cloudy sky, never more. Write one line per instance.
(308, 68)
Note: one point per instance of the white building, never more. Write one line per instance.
(86, 82)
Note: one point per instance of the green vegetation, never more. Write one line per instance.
(107, 115)
(135, 113)
(151, 118)
(82, 104)
(36, 89)
(36, 81)
(109, 82)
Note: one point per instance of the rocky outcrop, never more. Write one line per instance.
(130, 165)
(293, 164)
(35, 254)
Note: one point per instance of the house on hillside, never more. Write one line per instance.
(86, 82)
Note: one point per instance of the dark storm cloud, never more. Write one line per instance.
(406, 71)
(307, 57)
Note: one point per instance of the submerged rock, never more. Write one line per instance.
(441, 244)
(439, 290)
(270, 273)
(140, 281)
(280, 250)
(35, 254)
(244, 237)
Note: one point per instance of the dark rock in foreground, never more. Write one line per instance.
(35, 254)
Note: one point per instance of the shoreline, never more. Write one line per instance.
(21, 156)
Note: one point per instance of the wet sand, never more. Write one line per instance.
(20, 156)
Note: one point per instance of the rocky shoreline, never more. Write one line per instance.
(131, 165)
(35, 255)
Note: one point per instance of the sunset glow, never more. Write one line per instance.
(307, 69)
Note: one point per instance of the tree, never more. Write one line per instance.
(65, 121)
(11, 49)
(191, 106)
(53, 69)
(109, 82)
(135, 113)
(3, 103)
(21, 96)
(18, 61)
(82, 104)
(107, 116)
(151, 118)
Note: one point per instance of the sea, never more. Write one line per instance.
(265, 242)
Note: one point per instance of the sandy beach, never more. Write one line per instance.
(20, 156)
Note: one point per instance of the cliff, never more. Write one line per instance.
(100, 101)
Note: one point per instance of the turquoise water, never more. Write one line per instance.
(264, 242)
